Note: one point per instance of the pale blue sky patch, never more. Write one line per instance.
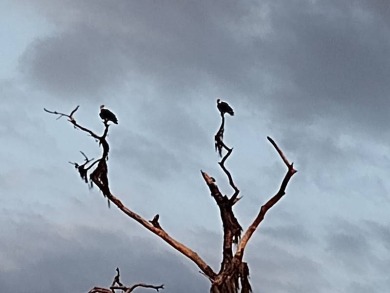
(19, 26)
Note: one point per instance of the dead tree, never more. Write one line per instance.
(117, 286)
(233, 274)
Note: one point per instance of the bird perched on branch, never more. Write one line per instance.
(224, 107)
(107, 115)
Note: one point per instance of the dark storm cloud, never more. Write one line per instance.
(172, 46)
(43, 257)
(332, 62)
(300, 59)
(78, 62)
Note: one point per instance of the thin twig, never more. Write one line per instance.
(73, 121)
(279, 152)
(157, 288)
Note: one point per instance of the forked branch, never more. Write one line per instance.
(269, 204)
(72, 120)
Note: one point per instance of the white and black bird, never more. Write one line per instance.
(107, 115)
(224, 107)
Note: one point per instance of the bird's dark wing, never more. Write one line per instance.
(225, 108)
(106, 114)
(229, 110)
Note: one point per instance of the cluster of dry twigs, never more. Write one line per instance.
(117, 285)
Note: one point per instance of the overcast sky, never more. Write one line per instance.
(314, 75)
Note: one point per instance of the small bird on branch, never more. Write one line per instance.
(107, 115)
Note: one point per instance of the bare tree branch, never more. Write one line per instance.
(157, 288)
(269, 204)
(219, 145)
(233, 198)
(192, 255)
(74, 111)
(218, 138)
(117, 279)
(125, 289)
(280, 152)
(99, 290)
(83, 171)
(100, 178)
(73, 121)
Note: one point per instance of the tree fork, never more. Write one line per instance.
(233, 276)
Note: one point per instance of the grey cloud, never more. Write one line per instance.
(332, 63)
(322, 57)
(275, 269)
(349, 248)
(160, 139)
(313, 60)
(274, 266)
(61, 259)
(180, 120)
(376, 9)
(81, 62)
(296, 234)
(349, 244)
(359, 287)
(103, 42)
(380, 232)
(377, 235)
(147, 156)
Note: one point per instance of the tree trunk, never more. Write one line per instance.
(233, 279)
